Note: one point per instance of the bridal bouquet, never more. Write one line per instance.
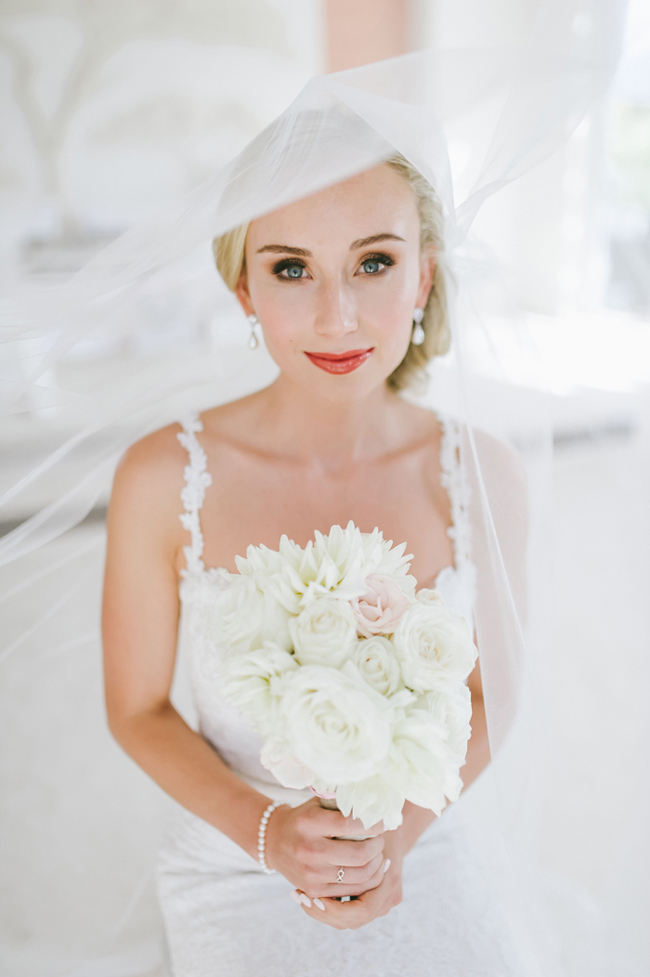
(355, 681)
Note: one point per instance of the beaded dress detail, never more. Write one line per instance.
(223, 916)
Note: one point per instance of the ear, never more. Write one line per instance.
(242, 293)
(427, 269)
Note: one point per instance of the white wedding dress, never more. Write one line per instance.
(225, 918)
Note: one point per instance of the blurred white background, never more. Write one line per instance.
(113, 108)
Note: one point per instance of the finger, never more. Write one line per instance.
(342, 878)
(350, 853)
(338, 824)
(357, 888)
(350, 886)
(357, 912)
(345, 876)
(316, 908)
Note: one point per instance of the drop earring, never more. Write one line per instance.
(417, 336)
(253, 342)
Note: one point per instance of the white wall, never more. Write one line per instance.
(110, 110)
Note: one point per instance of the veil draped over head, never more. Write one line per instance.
(82, 822)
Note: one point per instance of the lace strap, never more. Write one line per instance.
(197, 479)
(453, 477)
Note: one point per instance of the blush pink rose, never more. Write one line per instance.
(380, 608)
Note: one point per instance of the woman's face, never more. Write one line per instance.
(334, 280)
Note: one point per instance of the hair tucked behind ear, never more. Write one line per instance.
(229, 253)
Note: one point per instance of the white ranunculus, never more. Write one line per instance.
(372, 800)
(376, 659)
(336, 564)
(434, 646)
(251, 682)
(335, 723)
(244, 617)
(324, 633)
(274, 572)
(344, 558)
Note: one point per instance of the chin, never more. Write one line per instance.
(348, 388)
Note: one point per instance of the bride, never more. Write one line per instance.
(342, 230)
(348, 289)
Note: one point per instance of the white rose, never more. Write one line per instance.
(453, 708)
(244, 617)
(372, 800)
(419, 763)
(251, 683)
(324, 633)
(336, 725)
(428, 596)
(434, 646)
(276, 756)
(377, 661)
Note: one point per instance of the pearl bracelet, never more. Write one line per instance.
(261, 837)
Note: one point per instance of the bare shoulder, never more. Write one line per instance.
(155, 460)
(147, 486)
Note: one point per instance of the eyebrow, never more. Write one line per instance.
(361, 242)
(284, 249)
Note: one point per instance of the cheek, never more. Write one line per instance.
(284, 312)
(386, 308)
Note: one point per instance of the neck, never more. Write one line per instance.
(328, 432)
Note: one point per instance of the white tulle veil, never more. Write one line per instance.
(84, 820)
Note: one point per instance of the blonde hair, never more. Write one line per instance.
(229, 253)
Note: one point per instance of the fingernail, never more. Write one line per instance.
(305, 900)
(319, 904)
(386, 866)
(295, 896)
(345, 898)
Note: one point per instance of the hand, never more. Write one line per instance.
(377, 901)
(302, 844)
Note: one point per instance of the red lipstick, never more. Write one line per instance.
(340, 362)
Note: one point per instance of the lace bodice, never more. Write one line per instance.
(200, 588)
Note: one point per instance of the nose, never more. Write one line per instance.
(337, 314)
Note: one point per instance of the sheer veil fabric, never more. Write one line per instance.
(471, 121)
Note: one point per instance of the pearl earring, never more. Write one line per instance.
(417, 336)
(253, 342)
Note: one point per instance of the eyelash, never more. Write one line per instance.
(384, 259)
(288, 263)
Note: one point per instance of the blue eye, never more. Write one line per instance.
(289, 268)
(374, 264)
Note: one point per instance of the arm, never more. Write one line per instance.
(139, 624)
